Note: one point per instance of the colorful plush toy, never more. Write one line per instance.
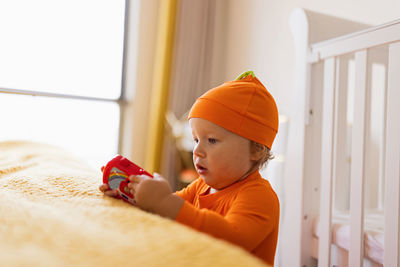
(116, 174)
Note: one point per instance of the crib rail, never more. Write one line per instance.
(332, 116)
(365, 39)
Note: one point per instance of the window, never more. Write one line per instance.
(70, 55)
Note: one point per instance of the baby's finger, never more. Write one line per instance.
(104, 187)
(132, 188)
(137, 178)
(132, 185)
(111, 193)
(158, 176)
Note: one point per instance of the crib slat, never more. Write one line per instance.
(392, 166)
(324, 247)
(340, 139)
(357, 165)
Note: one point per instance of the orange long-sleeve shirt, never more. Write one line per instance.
(245, 213)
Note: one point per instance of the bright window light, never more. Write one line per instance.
(86, 129)
(73, 51)
(66, 47)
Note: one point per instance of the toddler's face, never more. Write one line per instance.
(220, 156)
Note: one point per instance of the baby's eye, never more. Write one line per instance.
(195, 140)
(212, 140)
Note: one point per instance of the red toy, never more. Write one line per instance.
(116, 174)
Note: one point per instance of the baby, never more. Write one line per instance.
(233, 127)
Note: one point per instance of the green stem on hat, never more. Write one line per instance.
(245, 74)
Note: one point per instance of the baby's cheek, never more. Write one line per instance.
(236, 168)
(222, 169)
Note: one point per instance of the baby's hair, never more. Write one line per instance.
(266, 154)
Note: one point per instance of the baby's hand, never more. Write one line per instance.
(149, 193)
(105, 188)
(155, 195)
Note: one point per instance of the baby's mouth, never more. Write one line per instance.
(200, 169)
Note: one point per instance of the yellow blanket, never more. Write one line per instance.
(52, 214)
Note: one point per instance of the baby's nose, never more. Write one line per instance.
(199, 152)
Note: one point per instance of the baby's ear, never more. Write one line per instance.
(257, 151)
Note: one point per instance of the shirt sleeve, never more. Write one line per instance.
(188, 193)
(252, 217)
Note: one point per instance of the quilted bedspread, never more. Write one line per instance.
(52, 214)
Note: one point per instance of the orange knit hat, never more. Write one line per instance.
(243, 106)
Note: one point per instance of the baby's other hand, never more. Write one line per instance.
(105, 188)
(155, 195)
(149, 193)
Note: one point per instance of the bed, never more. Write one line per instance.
(343, 149)
(52, 214)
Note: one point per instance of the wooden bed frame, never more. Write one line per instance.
(316, 160)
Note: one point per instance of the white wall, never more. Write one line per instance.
(256, 36)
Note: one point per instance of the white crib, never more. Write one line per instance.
(342, 170)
